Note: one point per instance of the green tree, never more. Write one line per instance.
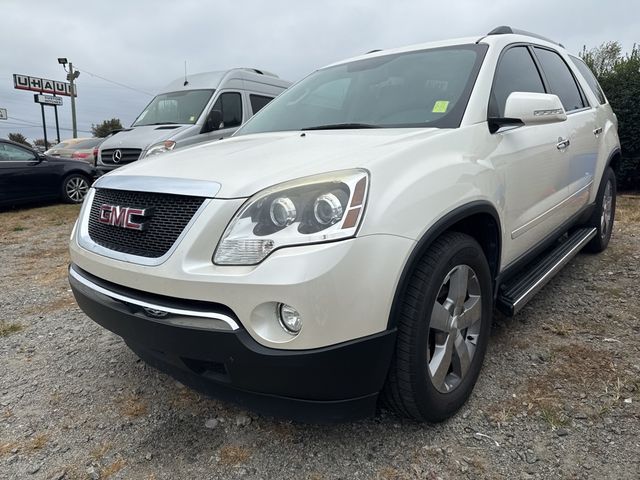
(105, 128)
(601, 60)
(40, 143)
(19, 138)
(619, 76)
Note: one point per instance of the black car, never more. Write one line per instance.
(27, 175)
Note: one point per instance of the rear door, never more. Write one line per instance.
(581, 152)
(532, 168)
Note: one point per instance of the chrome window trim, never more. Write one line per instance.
(85, 241)
(233, 325)
(579, 110)
(174, 186)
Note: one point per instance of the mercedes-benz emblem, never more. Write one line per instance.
(117, 156)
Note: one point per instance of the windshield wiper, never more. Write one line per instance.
(342, 126)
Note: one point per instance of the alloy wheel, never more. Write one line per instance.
(454, 328)
(76, 188)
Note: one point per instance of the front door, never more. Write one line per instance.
(532, 160)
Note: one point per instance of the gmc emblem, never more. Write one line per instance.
(123, 216)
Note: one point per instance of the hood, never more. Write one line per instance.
(143, 136)
(246, 164)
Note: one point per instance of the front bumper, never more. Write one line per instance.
(332, 383)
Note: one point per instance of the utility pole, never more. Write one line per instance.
(71, 77)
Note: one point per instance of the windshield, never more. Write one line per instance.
(174, 107)
(426, 88)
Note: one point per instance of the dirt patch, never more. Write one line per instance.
(7, 328)
(628, 209)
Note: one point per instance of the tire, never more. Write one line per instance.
(415, 386)
(75, 187)
(604, 214)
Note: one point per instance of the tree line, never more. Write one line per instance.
(100, 130)
(619, 77)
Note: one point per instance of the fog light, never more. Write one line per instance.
(289, 318)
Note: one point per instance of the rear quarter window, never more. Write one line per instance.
(258, 102)
(590, 78)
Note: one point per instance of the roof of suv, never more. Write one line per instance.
(498, 37)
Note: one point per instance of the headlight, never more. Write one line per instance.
(162, 147)
(313, 209)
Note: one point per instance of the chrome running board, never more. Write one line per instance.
(515, 293)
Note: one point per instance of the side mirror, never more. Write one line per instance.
(41, 157)
(213, 121)
(527, 108)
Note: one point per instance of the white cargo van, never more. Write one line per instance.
(201, 108)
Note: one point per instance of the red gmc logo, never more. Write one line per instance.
(123, 216)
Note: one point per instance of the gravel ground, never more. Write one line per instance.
(558, 395)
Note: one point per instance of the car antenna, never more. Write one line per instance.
(186, 82)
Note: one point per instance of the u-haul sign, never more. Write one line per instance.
(42, 85)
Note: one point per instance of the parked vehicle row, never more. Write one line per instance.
(350, 242)
(85, 149)
(27, 175)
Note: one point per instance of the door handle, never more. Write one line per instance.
(597, 131)
(563, 143)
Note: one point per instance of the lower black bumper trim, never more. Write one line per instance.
(328, 384)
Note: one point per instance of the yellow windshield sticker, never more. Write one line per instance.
(440, 106)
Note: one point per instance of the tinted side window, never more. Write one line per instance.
(11, 153)
(258, 102)
(561, 81)
(590, 78)
(516, 72)
(230, 104)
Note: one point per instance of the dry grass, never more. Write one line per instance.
(33, 444)
(98, 452)
(8, 447)
(18, 224)
(112, 468)
(628, 209)
(133, 406)
(38, 442)
(7, 329)
(578, 369)
(389, 473)
(63, 302)
(232, 455)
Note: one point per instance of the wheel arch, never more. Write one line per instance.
(78, 171)
(615, 157)
(478, 219)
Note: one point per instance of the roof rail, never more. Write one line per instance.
(260, 72)
(505, 29)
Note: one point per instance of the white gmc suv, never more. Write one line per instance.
(350, 242)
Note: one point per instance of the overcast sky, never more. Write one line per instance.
(144, 43)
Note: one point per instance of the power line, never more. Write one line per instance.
(22, 125)
(23, 121)
(114, 82)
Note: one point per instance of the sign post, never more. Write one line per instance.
(48, 100)
(45, 85)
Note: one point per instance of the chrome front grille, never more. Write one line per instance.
(169, 216)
